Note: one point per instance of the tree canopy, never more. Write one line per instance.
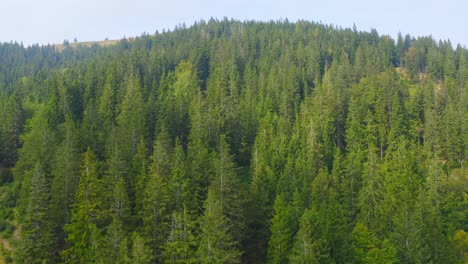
(236, 142)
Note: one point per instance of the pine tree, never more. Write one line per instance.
(12, 124)
(370, 194)
(113, 246)
(183, 89)
(265, 160)
(156, 206)
(132, 119)
(91, 129)
(229, 190)
(216, 244)
(367, 249)
(36, 232)
(66, 175)
(432, 204)
(179, 183)
(181, 245)
(117, 165)
(407, 219)
(200, 169)
(305, 249)
(140, 251)
(282, 232)
(140, 166)
(107, 103)
(328, 219)
(83, 233)
(38, 148)
(120, 207)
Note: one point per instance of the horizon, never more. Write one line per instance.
(175, 27)
(52, 22)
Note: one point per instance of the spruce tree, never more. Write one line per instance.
(368, 249)
(140, 251)
(181, 244)
(282, 232)
(215, 243)
(83, 233)
(305, 249)
(229, 190)
(36, 232)
(66, 176)
(156, 200)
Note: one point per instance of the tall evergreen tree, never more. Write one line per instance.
(215, 243)
(83, 233)
(36, 232)
(367, 249)
(181, 245)
(229, 190)
(12, 126)
(140, 252)
(282, 232)
(66, 175)
(156, 201)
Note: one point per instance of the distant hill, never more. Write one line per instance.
(87, 44)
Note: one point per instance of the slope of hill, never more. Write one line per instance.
(236, 142)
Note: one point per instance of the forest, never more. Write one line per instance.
(235, 142)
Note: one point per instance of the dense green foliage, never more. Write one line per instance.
(236, 142)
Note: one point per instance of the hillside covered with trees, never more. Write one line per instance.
(235, 142)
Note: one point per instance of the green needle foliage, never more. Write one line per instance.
(236, 142)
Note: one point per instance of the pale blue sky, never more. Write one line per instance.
(52, 21)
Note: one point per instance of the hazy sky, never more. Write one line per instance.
(52, 21)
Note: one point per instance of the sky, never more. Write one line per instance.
(53, 21)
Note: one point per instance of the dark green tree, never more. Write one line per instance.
(36, 232)
(13, 117)
(282, 232)
(83, 233)
(156, 204)
(66, 176)
(215, 243)
(368, 249)
(181, 245)
(229, 190)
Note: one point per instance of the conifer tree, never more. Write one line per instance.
(432, 205)
(66, 176)
(200, 170)
(157, 201)
(215, 243)
(132, 119)
(367, 249)
(83, 233)
(113, 245)
(229, 190)
(180, 245)
(263, 187)
(140, 251)
(282, 232)
(12, 124)
(328, 219)
(179, 183)
(140, 166)
(407, 219)
(36, 232)
(305, 249)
